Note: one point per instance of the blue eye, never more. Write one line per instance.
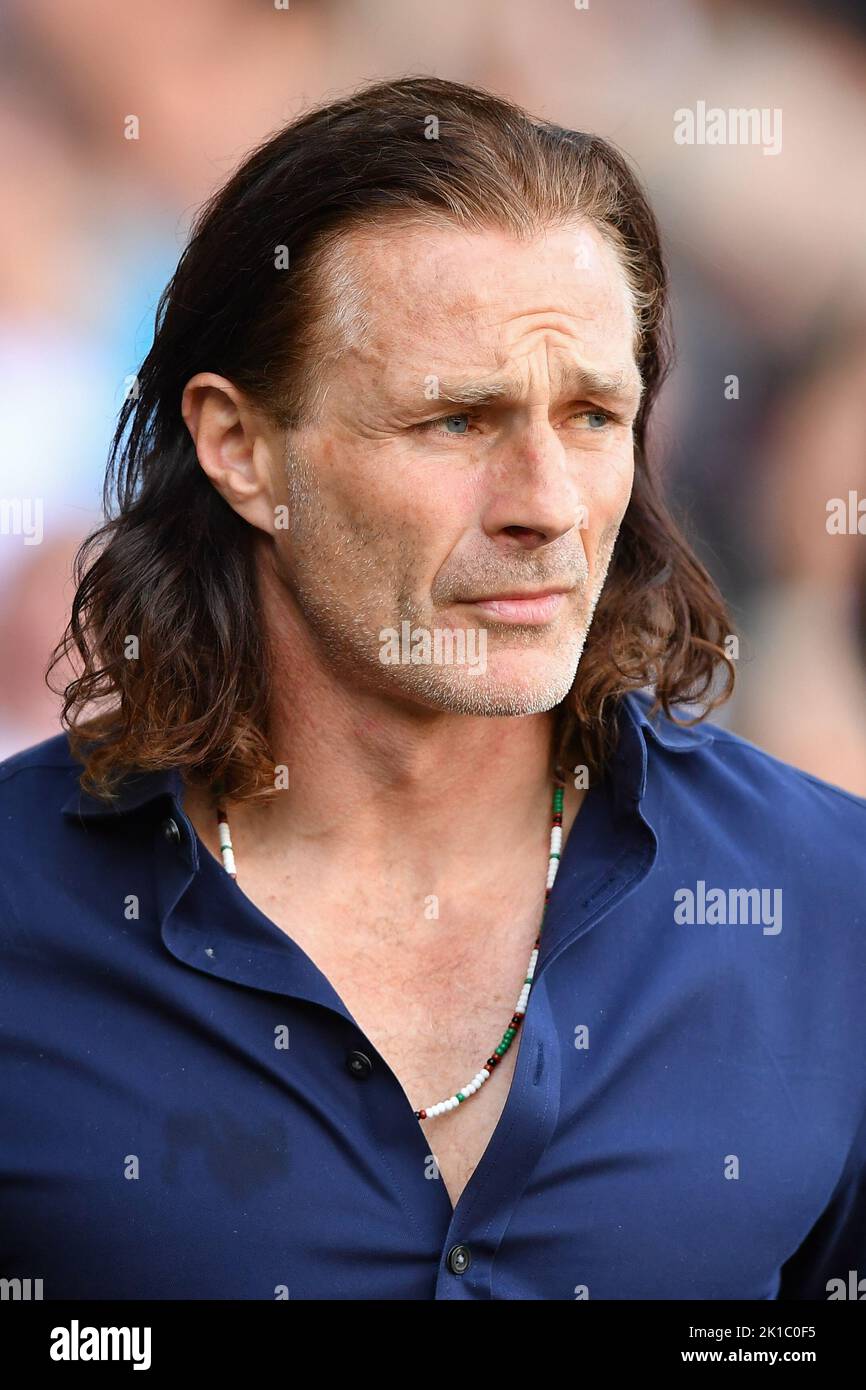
(600, 416)
(458, 424)
(439, 426)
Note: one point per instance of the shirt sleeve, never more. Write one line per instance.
(835, 1248)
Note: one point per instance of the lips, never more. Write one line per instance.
(520, 594)
(522, 608)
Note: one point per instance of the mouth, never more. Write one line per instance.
(538, 607)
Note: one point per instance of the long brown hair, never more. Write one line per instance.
(172, 568)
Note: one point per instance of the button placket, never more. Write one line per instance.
(525, 1126)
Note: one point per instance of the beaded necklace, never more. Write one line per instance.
(431, 1111)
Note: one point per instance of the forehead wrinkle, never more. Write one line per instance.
(619, 385)
(377, 346)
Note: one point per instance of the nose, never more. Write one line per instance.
(535, 495)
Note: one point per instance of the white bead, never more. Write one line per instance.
(228, 860)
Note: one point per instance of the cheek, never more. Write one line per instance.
(397, 523)
(382, 480)
(427, 501)
(606, 490)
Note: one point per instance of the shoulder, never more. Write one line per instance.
(35, 785)
(748, 788)
(29, 775)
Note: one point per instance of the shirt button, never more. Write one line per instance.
(459, 1259)
(171, 830)
(359, 1065)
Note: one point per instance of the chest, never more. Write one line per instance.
(436, 1028)
(435, 1044)
(458, 1139)
(435, 1002)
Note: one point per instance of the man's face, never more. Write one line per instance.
(417, 494)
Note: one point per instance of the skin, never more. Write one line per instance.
(408, 781)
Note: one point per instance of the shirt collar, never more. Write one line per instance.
(136, 790)
(140, 788)
(674, 737)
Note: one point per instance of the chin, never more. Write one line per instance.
(498, 693)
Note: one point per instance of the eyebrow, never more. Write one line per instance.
(580, 381)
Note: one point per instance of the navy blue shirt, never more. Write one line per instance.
(189, 1110)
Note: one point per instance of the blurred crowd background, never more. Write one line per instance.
(767, 255)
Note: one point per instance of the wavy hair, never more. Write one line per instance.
(258, 297)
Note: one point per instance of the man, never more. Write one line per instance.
(285, 1014)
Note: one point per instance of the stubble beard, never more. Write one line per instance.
(349, 635)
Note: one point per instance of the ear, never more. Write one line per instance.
(235, 445)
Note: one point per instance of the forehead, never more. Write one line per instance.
(442, 296)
